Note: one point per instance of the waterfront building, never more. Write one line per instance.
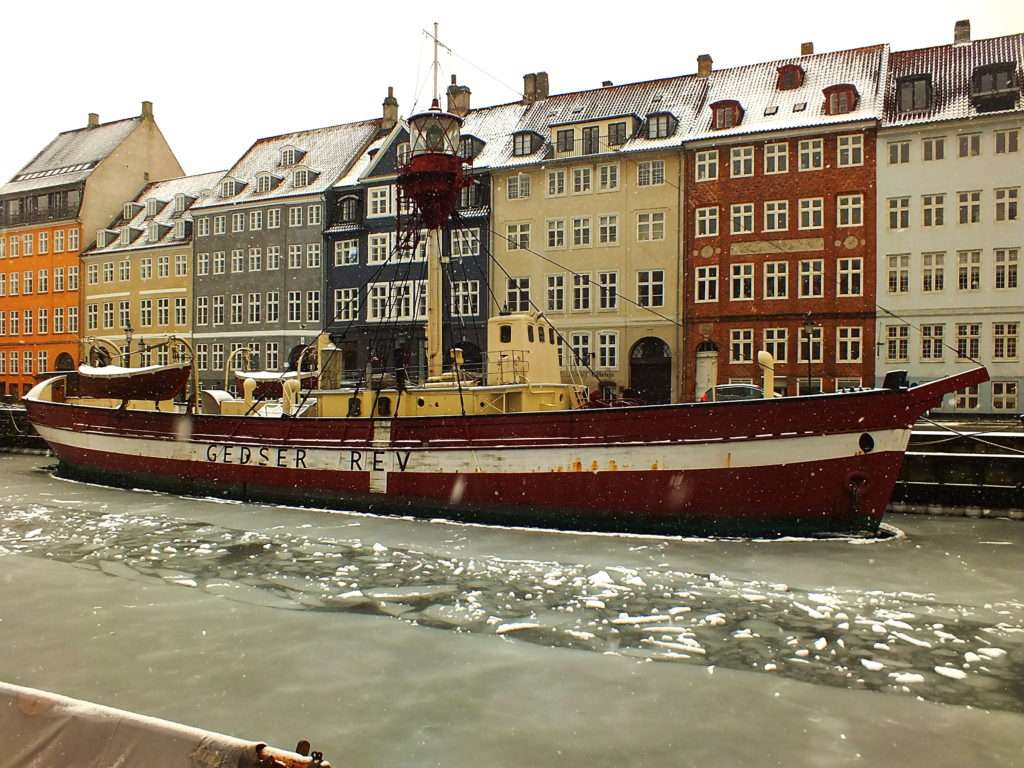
(586, 201)
(48, 214)
(780, 222)
(258, 244)
(376, 280)
(950, 231)
(137, 276)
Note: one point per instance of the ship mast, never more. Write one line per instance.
(432, 180)
(435, 284)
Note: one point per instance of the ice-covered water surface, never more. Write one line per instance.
(650, 599)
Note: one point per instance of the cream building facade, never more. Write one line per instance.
(137, 278)
(950, 230)
(586, 209)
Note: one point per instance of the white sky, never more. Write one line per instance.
(222, 73)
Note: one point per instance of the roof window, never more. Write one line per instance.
(994, 87)
(726, 114)
(840, 99)
(790, 76)
(914, 93)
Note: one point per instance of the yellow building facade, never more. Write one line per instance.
(587, 231)
(137, 278)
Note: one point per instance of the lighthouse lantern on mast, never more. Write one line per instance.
(434, 132)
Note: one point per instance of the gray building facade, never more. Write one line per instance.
(259, 251)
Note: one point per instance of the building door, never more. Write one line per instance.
(706, 375)
(65, 362)
(650, 370)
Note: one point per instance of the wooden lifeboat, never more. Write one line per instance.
(153, 382)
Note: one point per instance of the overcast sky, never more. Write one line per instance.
(222, 74)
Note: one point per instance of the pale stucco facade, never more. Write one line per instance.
(977, 305)
(620, 230)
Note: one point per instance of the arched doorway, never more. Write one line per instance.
(706, 375)
(650, 370)
(65, 362)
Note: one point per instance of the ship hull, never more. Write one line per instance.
(815, 464)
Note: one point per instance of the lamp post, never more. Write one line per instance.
(808, 326)
(128, 331)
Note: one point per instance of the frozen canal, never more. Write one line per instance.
(411, 643)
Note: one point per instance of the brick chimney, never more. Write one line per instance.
(542, 85)
(93, 121)
(458, 98)
(806, 49)
(962, 31)
(390, 114)
(147, 110)
(529, 88)
(606, 83)
(704, 65)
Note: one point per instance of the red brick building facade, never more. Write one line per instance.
(779, 250)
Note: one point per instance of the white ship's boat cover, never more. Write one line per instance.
(38, 728)
(259, 376)
(116, 370)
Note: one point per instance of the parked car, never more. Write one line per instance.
(725, 392)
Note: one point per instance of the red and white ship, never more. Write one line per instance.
(512, 444)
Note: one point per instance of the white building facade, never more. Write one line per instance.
(950, 230)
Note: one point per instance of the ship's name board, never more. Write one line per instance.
(295, 458)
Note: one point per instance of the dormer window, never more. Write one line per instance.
(153, 207)
(661, 125)
(913, 94)
(525, 143)
(180, 229)
(840, 99)
(726, 114)
(994, 87)
(300, 178)
(126, 237)
(130, 210)
(469, 147)
(180, 202)
(403, 153)
(228, 188)
(289, 156)
(152, 232)
(790, 76)
(264, 182)
(348, 209)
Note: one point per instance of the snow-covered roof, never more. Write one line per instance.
(950, 68)
(327, 153)
(195, 188)
(766, 108)
(70, 157)
(678, 96)
(362, 163)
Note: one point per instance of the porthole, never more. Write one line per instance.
(867, 443)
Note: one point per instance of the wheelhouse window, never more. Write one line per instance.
(726, 114)
(840, 99)
(913, 94)
(790, 76)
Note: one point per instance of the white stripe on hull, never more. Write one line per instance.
(379, 461)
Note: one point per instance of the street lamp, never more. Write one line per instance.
(128, 331)
(808, 327)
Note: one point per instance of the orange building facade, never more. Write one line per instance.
(39, 306)
(74, 186)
